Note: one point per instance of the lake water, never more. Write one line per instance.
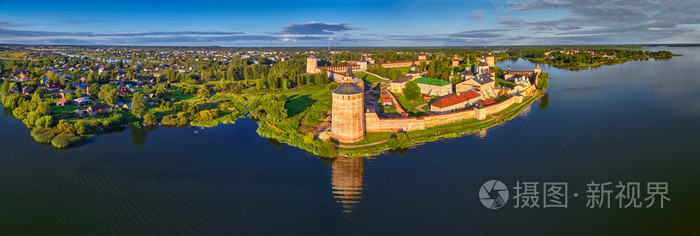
(634, 122)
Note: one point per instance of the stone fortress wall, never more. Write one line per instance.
(375, 124)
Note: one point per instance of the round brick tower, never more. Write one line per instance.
(311, 63)
(348, 116)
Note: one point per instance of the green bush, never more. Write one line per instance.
(114, 120)
(150, 119)
(83, 127)
(43, 135)
(64, 140)
(169, 120)
(64, 126)
(44, 121)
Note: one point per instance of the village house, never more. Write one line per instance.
(51, 87)
(83, 101)
(94, 110)
(26, 89)
(62, 102)
(66, 92)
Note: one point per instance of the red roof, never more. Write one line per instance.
(386, 99)
(455, 99)
(488, 102)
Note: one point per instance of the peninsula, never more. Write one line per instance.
(348, 102)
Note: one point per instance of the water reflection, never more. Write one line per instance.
(138, 136)
(347, 181)
(544, 101)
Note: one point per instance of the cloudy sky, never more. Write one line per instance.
(349, 23)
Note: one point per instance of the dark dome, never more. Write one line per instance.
(347, 88)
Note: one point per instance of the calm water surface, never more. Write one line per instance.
(635, 122)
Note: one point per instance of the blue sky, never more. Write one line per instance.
(351, 23)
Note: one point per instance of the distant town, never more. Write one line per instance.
(331, 102)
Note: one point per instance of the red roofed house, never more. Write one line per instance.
(62, 102)
(386, 98)
(455, 101)
(53, 87)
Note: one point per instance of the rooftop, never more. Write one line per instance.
(347, 88)
(430, 81)
(402, 79)
(455, 99)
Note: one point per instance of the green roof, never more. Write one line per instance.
(429, 81)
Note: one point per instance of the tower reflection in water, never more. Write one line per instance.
(347, 181)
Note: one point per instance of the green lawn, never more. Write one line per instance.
(371, 137)
(64, 109)
(405, 69)
(369, 78)
(314, 101)
(408, 105)
(504, 83)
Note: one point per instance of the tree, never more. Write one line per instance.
(411, 91)
(108, 94)
(94, 89)
(150, 119)
(44, 121)
(138, 105)
(543, 81)
(203, 92)
(322, 77)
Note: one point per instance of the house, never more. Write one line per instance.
(81, 113)
(83, 101)
(455, 101)
(386, 98)
(397, 85)
(98, 108)
(62, 102)
(51, 87)
(81, 86)
(433, 86)
(26, 90)
(124, 91)
(66, 92)
(44, 80)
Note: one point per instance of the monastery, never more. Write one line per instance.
(354, 108)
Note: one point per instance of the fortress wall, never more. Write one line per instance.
(498, 107)
(402, 63)
(376, 124)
